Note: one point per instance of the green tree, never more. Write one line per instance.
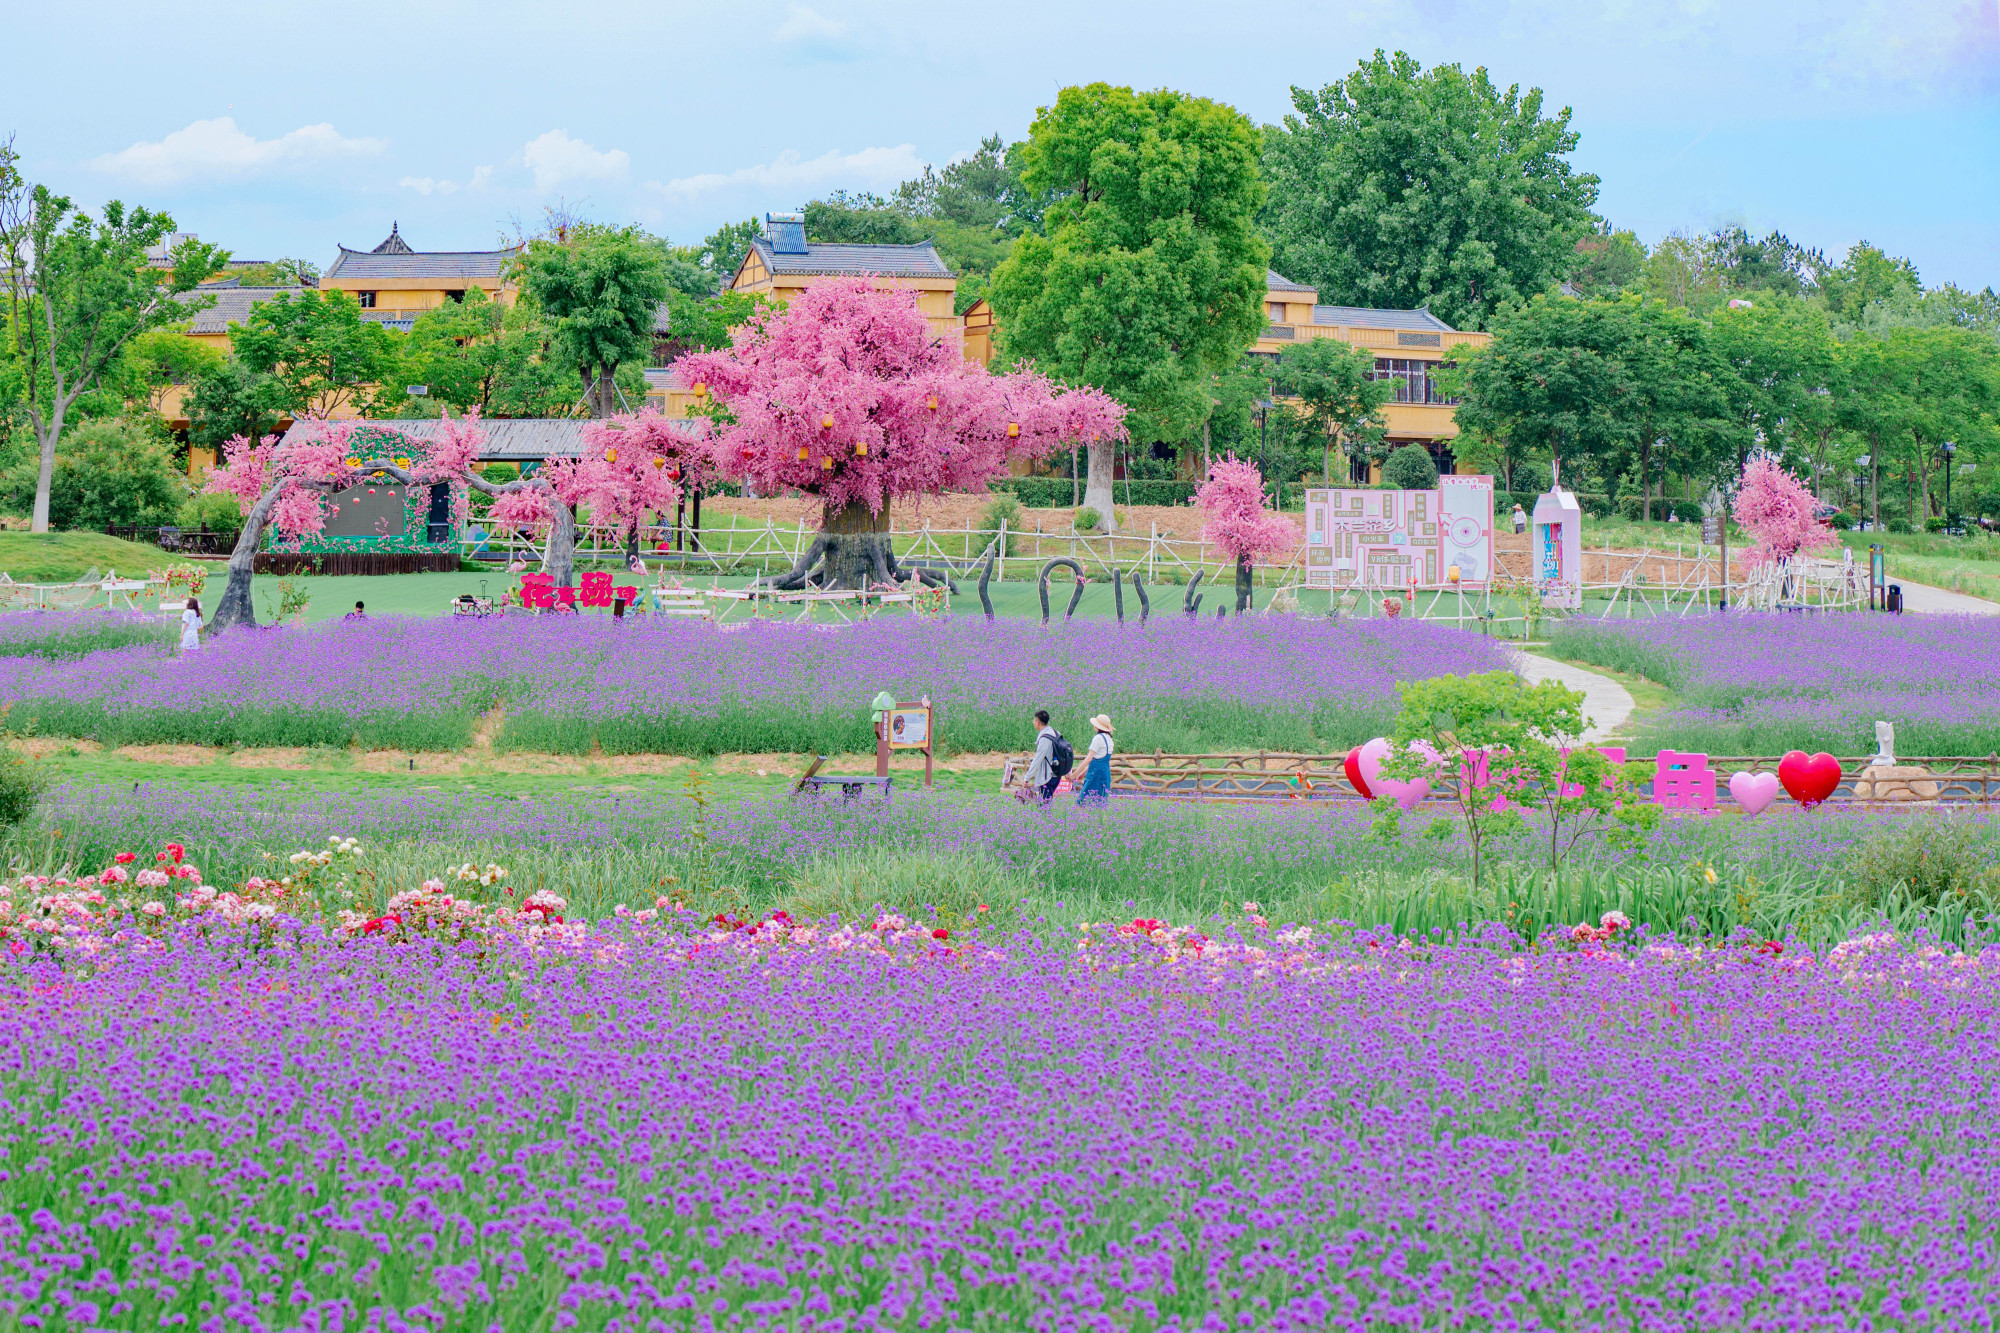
(482, 354)
(1866, 276)
(1553, 383)
(314, 344)
(78, 290)
(1339, 396)
(1787, 375)
(1954, 390)
(1678, 408)
(1686, 273)
(601, 290)
(722, 251)
(1402, 187)
(1607, 263)
(233, 400)
(160, 360)
(1150, 278)
(110, 471)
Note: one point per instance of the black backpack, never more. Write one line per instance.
(1061, 757)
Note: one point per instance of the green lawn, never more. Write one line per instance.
(60, 557)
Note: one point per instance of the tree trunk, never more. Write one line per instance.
(1097, 492)
(560, 557)
(236, 608)
(852, 550)
(46, 472)
(1242, 584)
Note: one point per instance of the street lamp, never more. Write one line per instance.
(1949, 449)
(1263, 439)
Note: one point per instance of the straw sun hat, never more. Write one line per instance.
(1102, 722)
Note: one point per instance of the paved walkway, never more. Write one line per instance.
(1923, 597)
(1607, 705)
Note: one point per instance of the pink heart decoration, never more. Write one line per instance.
(1405, 794)
(1368, 758)
(1753, 791)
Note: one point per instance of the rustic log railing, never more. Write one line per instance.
(1266, 775)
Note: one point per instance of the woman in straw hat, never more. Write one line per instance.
(1097, 773)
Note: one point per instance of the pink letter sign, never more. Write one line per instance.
(1683, 781)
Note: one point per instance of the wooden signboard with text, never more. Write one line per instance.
(906, 727)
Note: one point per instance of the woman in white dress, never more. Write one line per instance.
(191, 626)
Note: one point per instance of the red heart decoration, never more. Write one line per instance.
(1353, 768)
(1809, 780)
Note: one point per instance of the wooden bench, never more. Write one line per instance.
(687, 602)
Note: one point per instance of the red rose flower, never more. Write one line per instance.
(940, 934)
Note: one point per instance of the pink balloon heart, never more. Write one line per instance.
(1369, 761)
(1405, 794)
(1753, 791)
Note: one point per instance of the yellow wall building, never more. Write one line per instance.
(1408, 345)
(395, 284)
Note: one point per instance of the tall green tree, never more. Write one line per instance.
(1403, 187)
(601, 289)
(1150, 278)
(1554, 383)
(482, 354)
(78, 289)
(1786, 376)
(1866, 276)
(1678, 408)
(160, 360)
(1607, 263)
(1338, 395)
(233, 400)
(315, 345)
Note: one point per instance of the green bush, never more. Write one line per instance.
(1898, 525)
(1410, 468)
(211, 513)
(1934, 860)
(22, 784)
(109, 472)
(1087, 519)
(1005, 507)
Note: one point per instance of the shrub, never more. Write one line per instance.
(1087, 519)
(1057, 492)
(107, 472)
(1898, 525)
(1007, 508)
(212, 513)
(1410, 468)
(22, 784)
(1931, 860)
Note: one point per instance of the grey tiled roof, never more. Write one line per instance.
(447, 265)
(516, 439)
(1278, 282)
(1361, 317)
(866, 261)
(232, 304)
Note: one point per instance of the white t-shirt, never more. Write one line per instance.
(1100, 746)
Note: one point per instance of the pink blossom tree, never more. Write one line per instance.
(1235, 519)
(1778, 512)
(848, 394)
(285, 484)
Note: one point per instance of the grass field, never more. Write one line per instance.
(59, 557)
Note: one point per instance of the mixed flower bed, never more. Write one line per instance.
(668, 1120)
(1764, 683)
(670, 687)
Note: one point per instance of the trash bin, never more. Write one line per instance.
(1894, 601)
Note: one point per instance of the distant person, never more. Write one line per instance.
(1520, 519)
(1053, 758)
(1097, 769)
(191, 626)
(1673, 518)
(358, 613)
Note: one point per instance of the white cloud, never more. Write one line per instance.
(794, 172)
(213, 149)
(557, 159)
(426, 185)
(805, 25)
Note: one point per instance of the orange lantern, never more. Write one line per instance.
(659, 463)
(932, 404)
(802, 453)
(826, 463)
(700, 390)
(610, 455)
(861, 448)
(1013, 430)
(826, 423)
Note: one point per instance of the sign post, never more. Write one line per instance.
(900, 726)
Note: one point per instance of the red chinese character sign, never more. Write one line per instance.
(848, 393)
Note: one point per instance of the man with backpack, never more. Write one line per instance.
(1053, 759)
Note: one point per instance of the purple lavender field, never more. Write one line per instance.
(645, 1127)
(564, 685)
(1765, 683)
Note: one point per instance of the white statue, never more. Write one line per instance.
(1885, 745)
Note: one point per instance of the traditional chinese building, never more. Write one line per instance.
(1409, 346)
(394, 283)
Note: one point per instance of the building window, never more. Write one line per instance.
(457, 296)
(367, 300)
(1276, 310)
(1412, 379)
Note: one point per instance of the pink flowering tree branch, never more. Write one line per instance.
(1778, 512)
(849, 394)
(1234, 518)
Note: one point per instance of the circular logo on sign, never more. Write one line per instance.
(1464, 531)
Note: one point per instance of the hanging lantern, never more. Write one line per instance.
(659, 463)
(802, 453)
(700, 389)
(826, 422)
(1013, 430)
(826, 463)
(610, 455)
(861, 448)
(932, 404)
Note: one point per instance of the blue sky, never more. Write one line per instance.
(286, 129)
